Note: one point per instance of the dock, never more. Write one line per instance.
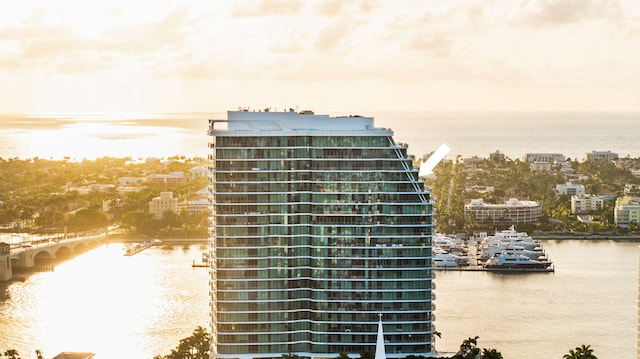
(137, 248)
(476, 265)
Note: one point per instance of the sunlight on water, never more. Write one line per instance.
(109, 304)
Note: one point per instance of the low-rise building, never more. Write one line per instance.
(513, 211)
(540, 166)
(198, 206)
(627, 211)
(585, 203)
(570, 189)
(631, 189)
(170, 178)
(472, 161)
(165, 202)
(200, 171)
(479, 189)
(602, 156)
(130, 181)
(543, 157)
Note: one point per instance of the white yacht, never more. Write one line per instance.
(514, 262)
(445, 260)
(513, 237)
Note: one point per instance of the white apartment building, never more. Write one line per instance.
(198, 206)
(603, 156)
(513, 211)
(200, 171)
(170, 178)
(584, 203)
(570, 189)
(165, 202)
(543, 157)
(627, 211)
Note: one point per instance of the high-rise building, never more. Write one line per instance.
(318, 225)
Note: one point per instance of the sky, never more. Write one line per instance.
(124, 56)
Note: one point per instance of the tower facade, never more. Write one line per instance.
(318, 225)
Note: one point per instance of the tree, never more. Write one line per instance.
(196, 346)
(490, 354)
(12, 354)
(343, 355)
(367, 355)
(87, 218)
(468, 349)
(141, 221)
(581, 352)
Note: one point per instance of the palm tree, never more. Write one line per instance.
(581, 352)
(491, 354)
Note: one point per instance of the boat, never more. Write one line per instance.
(511, 236)
(490, 250)
(506, 261)
(445, 260)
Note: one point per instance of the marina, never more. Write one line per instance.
(507, 251)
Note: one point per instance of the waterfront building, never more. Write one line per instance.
(543, 157)
(513, 211)
(318, 225)
(627, 211)
(601, 156)
(585, 203)
(570, 189)
(165, 202)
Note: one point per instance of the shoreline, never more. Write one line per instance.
(587, 237)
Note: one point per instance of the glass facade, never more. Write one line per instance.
(315, 231)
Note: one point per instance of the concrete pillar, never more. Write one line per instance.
(25, 260)
(6, 272)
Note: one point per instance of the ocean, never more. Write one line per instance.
(466, 133)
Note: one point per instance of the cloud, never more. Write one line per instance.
(267, 8)
(562, 12)
(51, 48)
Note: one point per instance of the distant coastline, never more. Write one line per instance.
(466, 133)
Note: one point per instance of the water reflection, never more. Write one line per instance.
(141, 306)
(104, 302)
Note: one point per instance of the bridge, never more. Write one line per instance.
(28, 254)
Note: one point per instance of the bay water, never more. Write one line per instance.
(141, 306)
